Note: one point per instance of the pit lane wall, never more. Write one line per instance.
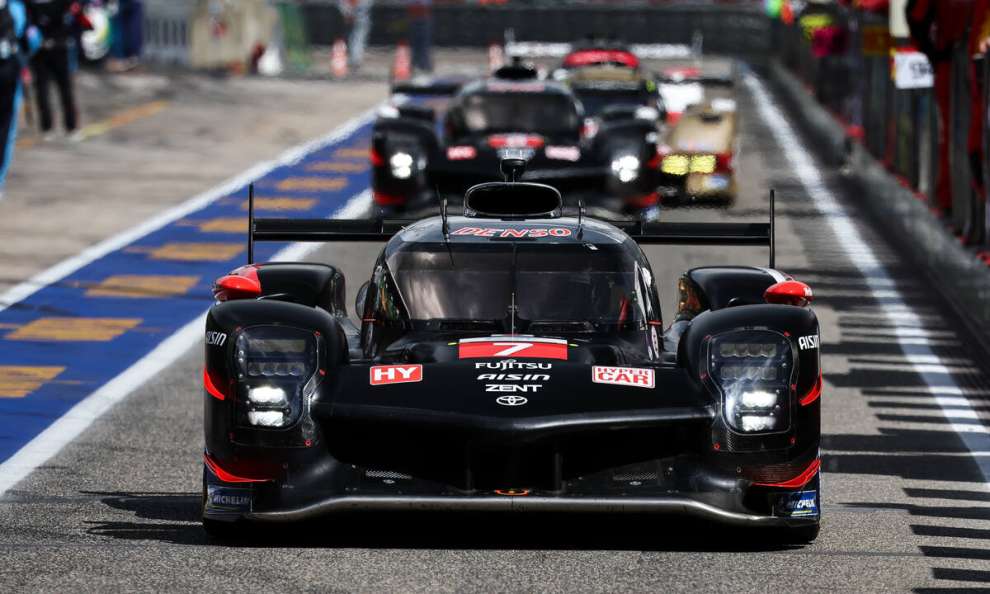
(915, 157)
(212, 34)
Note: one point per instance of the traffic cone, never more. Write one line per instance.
(402, 68)
(338, 59)
(496, 57)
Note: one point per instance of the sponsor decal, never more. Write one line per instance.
(514, 377)
(217, 339)
(228, 499)
(798, 504)
(515, 141)
(511, 400)
(563, 153)
(461, 153)
(514, 347)
(507, 364)
(511, 388)
(382, 375)
(515, 153)
(523, 233)
(623, 376)
(808, 342)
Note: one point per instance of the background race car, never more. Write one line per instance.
(612, 166)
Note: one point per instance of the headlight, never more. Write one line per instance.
(626, 168)
(752, 371)
(676, 165)
(277, 375)
(402, 165)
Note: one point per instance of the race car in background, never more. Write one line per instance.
(697, 156)
(611, 166)
(511, 359)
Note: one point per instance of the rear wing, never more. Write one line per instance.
(647, 51)
(380, 230)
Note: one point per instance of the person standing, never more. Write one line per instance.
(17, 40)
(56, 19)
(357, 14)
(421, 29)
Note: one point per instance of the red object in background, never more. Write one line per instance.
(242, 283)
(338, 59)
(789, 292)
(498, 141)
(591, 57)
(402, 67)
(383, 199)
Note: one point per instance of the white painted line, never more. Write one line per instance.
(896, 311)
(66, 267)
(60, 433)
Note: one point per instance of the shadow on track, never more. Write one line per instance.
(174, 518)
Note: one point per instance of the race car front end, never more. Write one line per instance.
(296, 437)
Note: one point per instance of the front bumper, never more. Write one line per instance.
(541, 504)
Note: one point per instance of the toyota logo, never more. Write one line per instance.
(512, 400)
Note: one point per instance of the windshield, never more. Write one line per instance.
(575, 284)
(595, 101)
(519, 112)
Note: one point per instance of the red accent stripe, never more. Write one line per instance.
(800, 480)
(228, 477)
(211, 387)
(813, 394)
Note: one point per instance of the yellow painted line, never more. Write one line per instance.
(281, 204)
(312, 184)
(220, 225)
(19, 381)
(351, 153)
(337, 167)
(74, 329)
(128, 116)
(197, 252)
(137, 285)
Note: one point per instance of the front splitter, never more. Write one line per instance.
(665, 505)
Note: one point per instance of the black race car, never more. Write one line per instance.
(613, 166)
(511, 359)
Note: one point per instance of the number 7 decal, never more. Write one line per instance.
(514, 347)
(535, 348)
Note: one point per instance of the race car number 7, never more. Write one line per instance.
(514, 347)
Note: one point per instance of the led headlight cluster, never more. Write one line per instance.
(753, 370)
(626, 168)
(276, 373)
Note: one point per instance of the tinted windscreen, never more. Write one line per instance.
(558, 284)
(595, 101)
(519, 112)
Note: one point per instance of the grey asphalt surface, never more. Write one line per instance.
(905, 506)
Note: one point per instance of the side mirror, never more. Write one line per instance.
(242, 283)
(362, 296)
(790, 292)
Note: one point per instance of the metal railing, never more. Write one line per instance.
(901, 127)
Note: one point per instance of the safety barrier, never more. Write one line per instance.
(901, 126)
(167, 31)
(739, 28)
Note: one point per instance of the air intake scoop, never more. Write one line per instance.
(512, 200)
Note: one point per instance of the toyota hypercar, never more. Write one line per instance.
(611, 165)
(511, 359)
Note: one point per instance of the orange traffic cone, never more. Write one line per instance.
(402, 69)
(496, 57)
(338, 59)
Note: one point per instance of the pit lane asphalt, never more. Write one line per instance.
(905, 506)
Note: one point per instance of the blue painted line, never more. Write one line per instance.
(89, 365)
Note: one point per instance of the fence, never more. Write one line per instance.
(900, 127)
